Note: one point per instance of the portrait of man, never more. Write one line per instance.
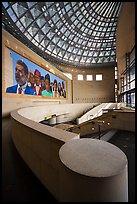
(21, 76)
(27, 77)
(37, 86)
(31, 79)
(47, 91)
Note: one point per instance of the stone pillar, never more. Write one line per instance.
(94, 171)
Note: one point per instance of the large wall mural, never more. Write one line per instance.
(30, 78)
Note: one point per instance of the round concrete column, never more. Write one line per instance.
(95, 170)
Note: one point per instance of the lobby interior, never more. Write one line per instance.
(89, 50)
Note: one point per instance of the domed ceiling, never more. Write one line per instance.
(71, 33)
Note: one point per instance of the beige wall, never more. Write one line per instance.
(95, 91)
(11, 101)
(125, 35)
(92, 91)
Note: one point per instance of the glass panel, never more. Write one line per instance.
(132, 55)
(132, 84)
(50, 47)
(87, 25)
(28, 36)
(98, 77)
(80, 77)
(40, 36)
(67, 7)
(30, 4)
(89, 77)
(22, 28)
(48, 4)
(51, 11)
(50, 34)
(19, 10)
(132, 99)
(55, 18)
(59, 24)
(5, 4)
(18, 24)
(12, 15)
(41, 21)
(35, 12)
(45, 29)
(132, 73)
(26, 21)
(63, 29)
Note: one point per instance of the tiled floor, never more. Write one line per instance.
(19, 184)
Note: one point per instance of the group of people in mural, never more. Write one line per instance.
(31, 82)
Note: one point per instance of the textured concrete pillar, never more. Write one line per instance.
(94, 170)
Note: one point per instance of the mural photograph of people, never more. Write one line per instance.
(29, 78)
(21, 76)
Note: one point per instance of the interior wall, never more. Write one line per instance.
(95, 91)
(125, 35)
(12, 101)
(92, 91)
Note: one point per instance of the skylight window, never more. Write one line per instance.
(83, 25)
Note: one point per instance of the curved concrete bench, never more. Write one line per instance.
(97, 172)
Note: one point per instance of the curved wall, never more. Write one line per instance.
(39, 147)
(68, 112)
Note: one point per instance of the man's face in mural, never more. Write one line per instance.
(31, 78)
(55, 86)
(47, 83)
(20, 75)
(37, 80)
